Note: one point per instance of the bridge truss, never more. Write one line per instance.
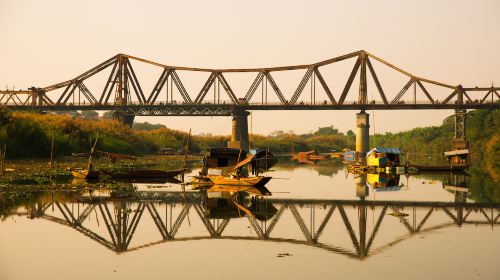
(123, 90)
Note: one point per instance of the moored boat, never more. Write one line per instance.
(200, 180)
(437, 168)
(86, 174)
(235, 181)
(144, 173)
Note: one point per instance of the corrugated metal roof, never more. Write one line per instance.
(457, 152)
(384, 150)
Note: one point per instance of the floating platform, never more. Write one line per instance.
(438, 168)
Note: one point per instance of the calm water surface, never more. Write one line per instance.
(317, 223)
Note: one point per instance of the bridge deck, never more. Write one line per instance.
(210, 109)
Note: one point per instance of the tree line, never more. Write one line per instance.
(29, 135)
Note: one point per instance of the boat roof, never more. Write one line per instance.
(384, 150)
(457, 152)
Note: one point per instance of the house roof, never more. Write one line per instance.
(384, 150)
(455, 153)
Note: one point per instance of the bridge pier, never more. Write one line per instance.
(124, 118)
(239, 133)
(362, 134)
(460, 136)
(459, 141)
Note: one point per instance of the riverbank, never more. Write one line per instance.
(36, 174)
(29, 135)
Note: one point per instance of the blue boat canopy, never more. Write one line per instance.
(384, 150)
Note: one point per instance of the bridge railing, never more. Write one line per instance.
(123, 85)
(253, 104)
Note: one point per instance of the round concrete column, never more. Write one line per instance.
(124, 118)
(362, 133)
(239, 133)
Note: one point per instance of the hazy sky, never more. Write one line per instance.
(452, 41)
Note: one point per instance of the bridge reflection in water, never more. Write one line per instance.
(361, 221)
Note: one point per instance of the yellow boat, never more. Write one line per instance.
(234, 181)
(200, 181)
(86, 174)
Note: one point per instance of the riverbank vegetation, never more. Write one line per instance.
(28, 135)
(426, 145)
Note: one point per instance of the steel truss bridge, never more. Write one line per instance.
(122, 90)
(360, 221)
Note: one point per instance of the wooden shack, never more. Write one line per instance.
(383, 157)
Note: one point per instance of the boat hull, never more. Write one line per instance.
(86, 174)
(441, 167)
(252, 181)
(145, 174)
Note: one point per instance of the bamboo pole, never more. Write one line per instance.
(52, 150)
(3, 152)
(89, 166)
(186, 147)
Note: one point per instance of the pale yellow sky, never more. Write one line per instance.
(45, 42)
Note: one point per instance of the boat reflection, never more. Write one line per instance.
(206, 214)
(224, 201)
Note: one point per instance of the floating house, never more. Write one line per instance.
(383, 157)
(350, 157)
(457, 157)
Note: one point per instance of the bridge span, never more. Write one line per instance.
(121, 91)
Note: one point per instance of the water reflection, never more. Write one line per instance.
(456, 183)
(112, 221)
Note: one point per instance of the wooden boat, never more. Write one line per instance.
(86, 174)
(307, 156)
(234, 181)
(89, 173)
(144, 173)
(438, 168)
(146, 180)
(200, 180)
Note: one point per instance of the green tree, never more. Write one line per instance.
(107, 115)
(147, 126)
(327, 130)
(90, 115)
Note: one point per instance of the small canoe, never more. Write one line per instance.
(200, 180)
(233, 181)
(145, 173)
(438, 168)
(86, 174)
(146, 180)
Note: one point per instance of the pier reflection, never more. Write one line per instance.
(113, 222)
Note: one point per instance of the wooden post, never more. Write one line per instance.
(3, 152)
(186, 147)
(89, 166)
(52, 150)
